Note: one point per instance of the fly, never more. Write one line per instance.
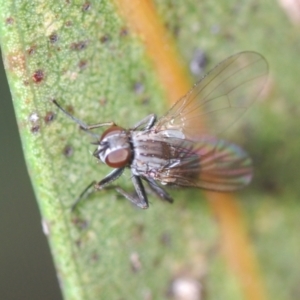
(182, 148)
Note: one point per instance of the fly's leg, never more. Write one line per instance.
(87, 191)
(140, 190)
(159, 191)
(82, 125)
(112, 176)
(147, 122)
(140, 197)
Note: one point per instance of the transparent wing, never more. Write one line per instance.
(211, 164)
(219, 99)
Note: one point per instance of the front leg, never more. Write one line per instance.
(83, 195)
(111, 177)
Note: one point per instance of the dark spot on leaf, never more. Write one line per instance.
(31, 50)
(49, 117)
(68, 23)
(82, 64)
(38, 76)
(138, 88)
(124, 32)
(165, 239)
(78, 243)
(229, 37)
(80, 223)
(70, 109)
(10, 21)
(138, 233)
(198, 62)
(53, 38)
(156, 262)
(35, 129)
(255, 7)
(146, 101)
(68, 151)
(95, 257)
(104, 39)
(103, 101)
(79, 46)
(86, 6)
(270, 185)
(176, 30)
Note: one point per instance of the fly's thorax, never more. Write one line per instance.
(152, 153)
(114, 147)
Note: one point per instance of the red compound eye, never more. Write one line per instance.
(111, 130)
(118, 154)
(118, 158)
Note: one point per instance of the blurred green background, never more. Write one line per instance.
(26, 267)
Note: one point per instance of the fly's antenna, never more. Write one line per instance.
(81, 124)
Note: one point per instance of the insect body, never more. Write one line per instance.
(181, 148)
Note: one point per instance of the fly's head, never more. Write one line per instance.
(114, 147)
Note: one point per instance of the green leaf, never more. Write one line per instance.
(87, 59)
